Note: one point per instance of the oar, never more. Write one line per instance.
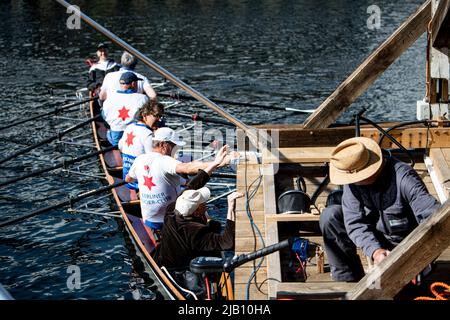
(238, 103)
(196, 117)
(45, 141)
(64, 164)
(57, 109)
(70, 201)
(250, 132)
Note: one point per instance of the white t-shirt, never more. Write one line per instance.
(120, 108)
(136, 140)
(159, 184)
(111, 82)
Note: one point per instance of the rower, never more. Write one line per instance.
(121, 107)
(99, 69)
(111, 81)
(158, 175)
(137, 137)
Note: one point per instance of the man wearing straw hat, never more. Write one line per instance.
(383, 201)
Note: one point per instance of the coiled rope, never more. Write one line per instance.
(442, 295)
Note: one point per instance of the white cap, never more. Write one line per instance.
(189, 200)
(167, 134)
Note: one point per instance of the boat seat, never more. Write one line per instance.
(144, 233)
(125, 194)
(113, 159)
(101, 130)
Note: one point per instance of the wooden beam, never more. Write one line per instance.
(273, 260)
(298, 155)
(411, 256)
(270, 201)
(370, 69)
(440, 25)
(313, 290)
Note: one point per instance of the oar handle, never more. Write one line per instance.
(63, 203)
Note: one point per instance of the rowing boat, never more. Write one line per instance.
(128, 205)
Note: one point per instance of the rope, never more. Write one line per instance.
(443, 295)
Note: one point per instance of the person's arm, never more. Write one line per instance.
(358, 227)
(149, 91)
(422, 203)
(131, 176)
(104, 89)
(205, 240)
(221, 160)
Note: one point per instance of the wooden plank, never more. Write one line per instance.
(255, 294)
(273, 260)
(370, 69)
(440, 24)
(247, 271)
(412, 255)
(442, 170)
(270, 201)
(313, 290)
(298, 155)
(270, 218)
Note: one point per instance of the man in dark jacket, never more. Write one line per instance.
(187, 234)
(99, 69)
(383, 201)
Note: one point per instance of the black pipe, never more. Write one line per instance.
(71, 201)
(229, 265)
(64, 164)
(45, 141)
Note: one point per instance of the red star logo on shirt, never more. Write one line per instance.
(148, 182)
(123, 113)
(130, 137)
(146, 168)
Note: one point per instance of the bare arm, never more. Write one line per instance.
(221, 160)
(102, 95)
(151, 93)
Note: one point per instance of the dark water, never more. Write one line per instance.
(286, 53)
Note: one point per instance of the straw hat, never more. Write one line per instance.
(189, 200)
(355, 160)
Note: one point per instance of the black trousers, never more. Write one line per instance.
(344, 262)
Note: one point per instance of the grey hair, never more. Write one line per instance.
(156, 143)
(128, 60)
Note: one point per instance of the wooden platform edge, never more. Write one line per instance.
(411, 256)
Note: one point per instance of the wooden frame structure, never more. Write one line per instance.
(307, 147)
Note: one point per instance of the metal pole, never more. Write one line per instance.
(166, 74)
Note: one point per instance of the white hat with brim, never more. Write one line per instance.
(355, 160)
(189, 200)
(167, 134)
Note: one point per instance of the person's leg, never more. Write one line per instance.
(344, 262)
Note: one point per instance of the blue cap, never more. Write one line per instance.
(128, 77)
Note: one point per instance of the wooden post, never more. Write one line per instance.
(439, 64)
(411, 256)
(358, 82)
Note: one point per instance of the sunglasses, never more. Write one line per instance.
(158, 115)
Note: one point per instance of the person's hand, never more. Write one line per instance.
(232, 204)
(379, 255)
(227, 160)
(221, 155)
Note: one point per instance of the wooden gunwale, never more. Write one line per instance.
(173, 292)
